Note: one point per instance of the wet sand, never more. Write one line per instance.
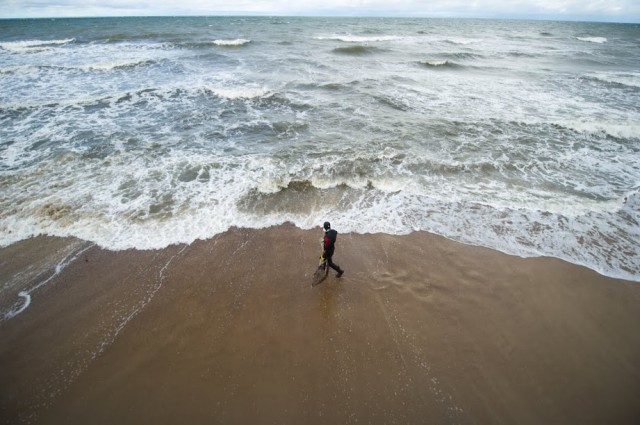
(420, 329)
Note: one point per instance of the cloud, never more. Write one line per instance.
(605, 10)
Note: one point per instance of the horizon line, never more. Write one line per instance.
(540, 18)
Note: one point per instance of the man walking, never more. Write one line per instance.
(330, 237)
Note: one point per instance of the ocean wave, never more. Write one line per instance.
(151, 201)
(356, 50)
(130, 154)
(329, 86)
(598, 40)
(332, 86)
(86, 101)
(231, 42)
(463, 41)
(620, 79)
(118, 38)
(9, 108)
(101, 66)
(525, 231)
(441, 64)
(146, 94)
(392, 102)
(18, 69)
(517, 54)
(461, 56)
(33, 46)
(122, 64)
(238, 92)
(360, 39)
(617, 129)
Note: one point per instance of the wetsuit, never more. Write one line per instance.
(330, 237)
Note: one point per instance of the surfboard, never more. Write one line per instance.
(321, 272)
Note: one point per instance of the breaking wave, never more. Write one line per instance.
(360, 39)
(617, 129)
(238, 92)
(619, 79)
(149, 135)
(122, 64)
(231, 42)
(598, 40)
(463, 41)
(441, 64)
(33, 46)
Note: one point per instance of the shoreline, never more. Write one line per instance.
(420, 328)
(290, 224)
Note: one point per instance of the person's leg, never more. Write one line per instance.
(335, 267)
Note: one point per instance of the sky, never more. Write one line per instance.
(585, 10)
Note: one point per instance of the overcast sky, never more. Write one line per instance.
(590, 10)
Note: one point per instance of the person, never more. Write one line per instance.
(329, 245)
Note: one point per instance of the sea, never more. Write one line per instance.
(521, 136)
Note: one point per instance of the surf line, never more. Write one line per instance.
(58, 269)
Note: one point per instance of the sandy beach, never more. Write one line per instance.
(420, 329)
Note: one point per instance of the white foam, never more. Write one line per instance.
(100, 66)
(437, 63)
(232, 42)
(619, 129)
(463, 41)
(27, 302)
(625, 79)
(441, 64)
(18, 69)
(32, 46)
(75, 101)
(102, 211)
(109, 66)
(359, 39)
(523, 232)
(26, 295)
(118, 220)
(598, 40)
(238, 92)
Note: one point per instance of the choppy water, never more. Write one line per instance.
(144, 132)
